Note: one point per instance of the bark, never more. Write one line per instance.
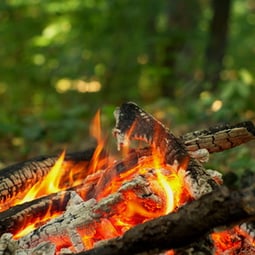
(218, 33)
(14, 219)
(16, 179)
(133, 123)
(175, 230)
(18, 217)
(220, 137)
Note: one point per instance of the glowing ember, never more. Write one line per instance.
(165, 187)
(226, 241)
(61, 177)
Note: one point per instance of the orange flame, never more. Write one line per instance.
(49, 184)
(226, 241)
(232, 241)
(96, 132)
(165, 183)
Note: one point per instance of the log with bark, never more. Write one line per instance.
(227, 136)
(221, 207)
(17, 179)
(220, 137)
(134, 123)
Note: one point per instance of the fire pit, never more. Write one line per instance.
(157, 198)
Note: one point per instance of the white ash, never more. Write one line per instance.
(79, 218)
(7, 244)
(65, 251)
(197, 185)
(62, 227)
(249, 228)
(215, 175)
(202, 155)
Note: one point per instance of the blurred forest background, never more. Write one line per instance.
(190, 63)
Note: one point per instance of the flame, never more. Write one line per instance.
(232, 241)
(96, 132)
(226, 241)
(25, 231)
(49, 184)
(166, 185)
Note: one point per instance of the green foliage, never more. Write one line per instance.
(54, 53)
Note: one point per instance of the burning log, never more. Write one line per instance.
(221, 207)
(101, 197)
(89, 218)
(17, 217)
(133, 123)
(16, 180)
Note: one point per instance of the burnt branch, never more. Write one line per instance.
(220, 137)
(133, 123)
(16, 218)
(16, 179)
(85, 217)
(175, 230)
(19, 216)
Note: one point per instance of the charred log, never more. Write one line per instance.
(220, 137)
(221, 207)
(14, 219)
(19, 216)
(85, 217)
(133, 123)
(16, 179)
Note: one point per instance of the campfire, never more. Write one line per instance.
(156, 199)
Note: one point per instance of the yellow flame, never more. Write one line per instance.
(167, 187)
(49, 184)
(25, 231)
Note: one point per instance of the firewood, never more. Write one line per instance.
(17, 217)
(84, 217)
(221, 207)
(14, 219)
(220, 137)
(133, 123)
(16, 179)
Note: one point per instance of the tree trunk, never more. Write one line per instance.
(182, 18)
(218, 32)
